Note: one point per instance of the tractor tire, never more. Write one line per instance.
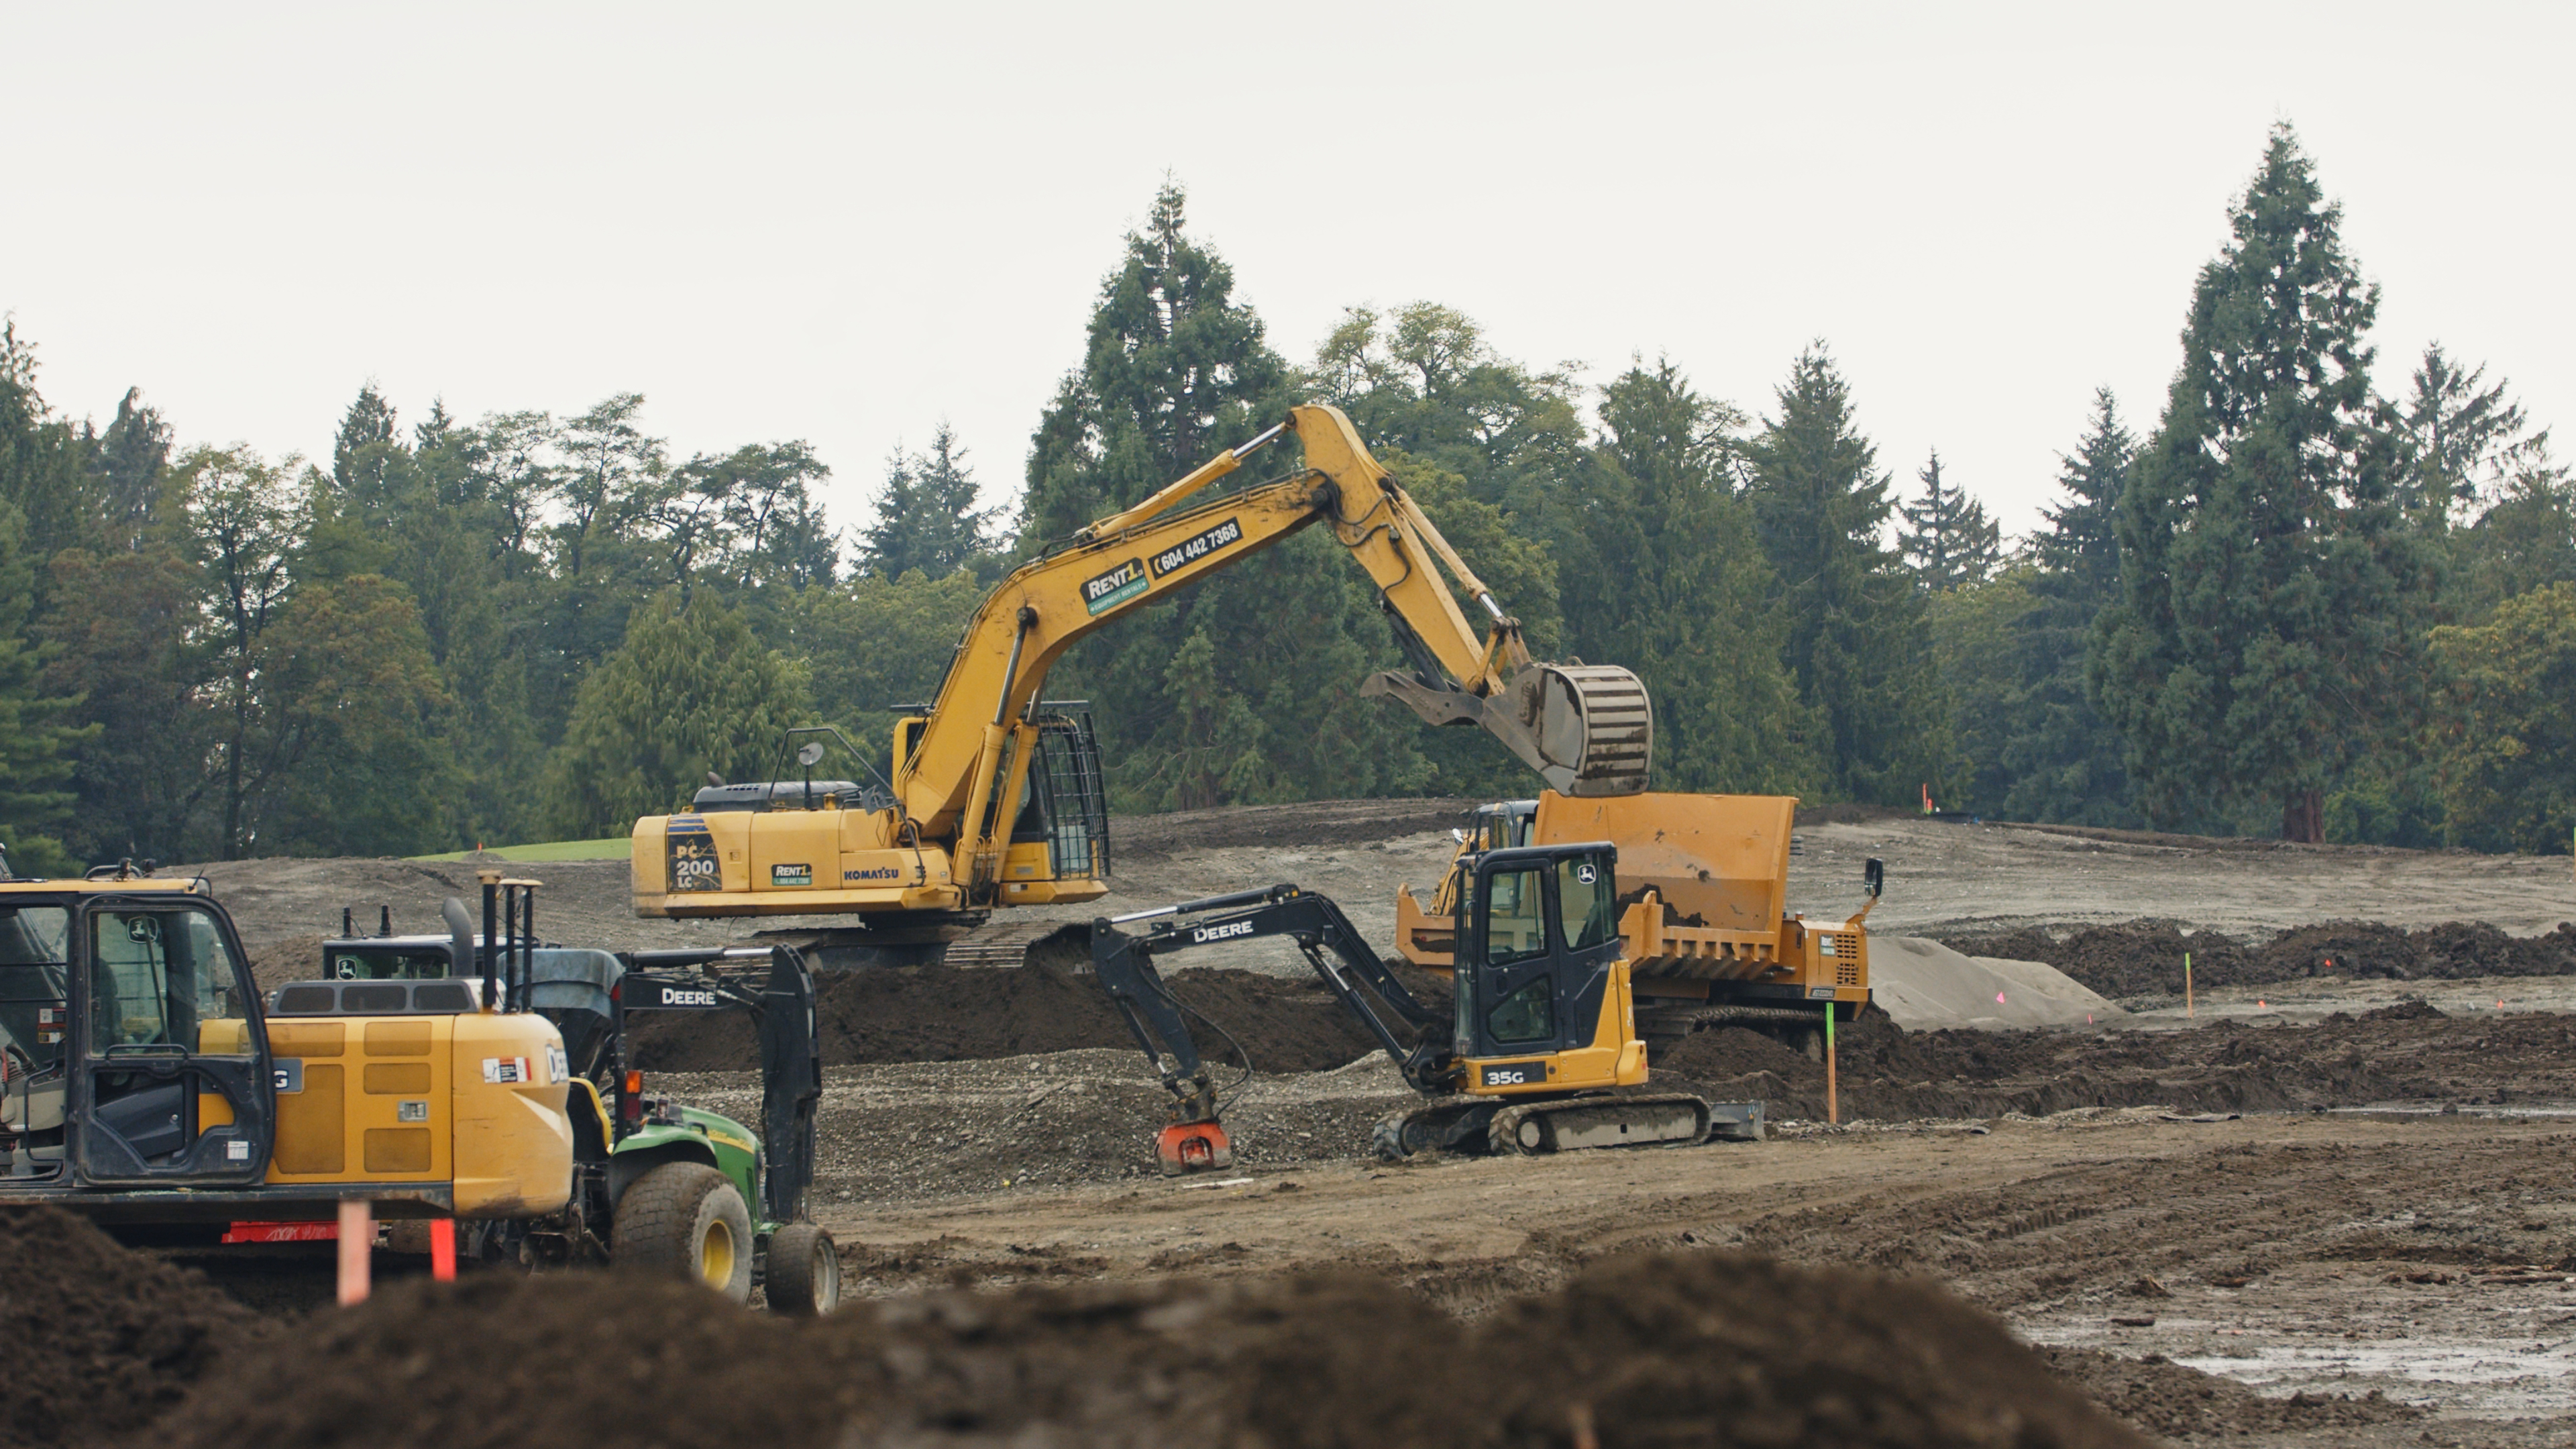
(684, 1220)
(803, 1277)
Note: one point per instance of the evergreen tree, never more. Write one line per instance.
(1947, 536)
(2459, 443)
(360, 450)
(2266, 633)
(927, 520)
(1673, 585)
(39, 738)
(1243, 686)
(1857, 641)
(689, 691)
(2062, 759)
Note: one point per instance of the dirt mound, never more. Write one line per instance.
(2137, 958)
(1719, 1349)
(1738, 1349)
(2144, 958)
(101, 1340)
(2408, 1052)
(1306, 822)
(945, 1014)
(2168, 1399)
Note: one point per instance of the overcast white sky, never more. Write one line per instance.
(847, 222)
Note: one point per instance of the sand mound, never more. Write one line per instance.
(1925, 985)
(100, 1340)
(944, 1014)
(1706, 1349)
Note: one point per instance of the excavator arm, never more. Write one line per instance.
(1587, 730)
(1124, 963)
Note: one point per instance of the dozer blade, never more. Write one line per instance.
(1188, 1147)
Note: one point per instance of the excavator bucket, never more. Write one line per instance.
(1188, 1147)
(1588, 729)
(1591, 723)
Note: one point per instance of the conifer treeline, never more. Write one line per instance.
(2297, 603)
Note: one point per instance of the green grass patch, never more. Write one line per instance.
(614, 847)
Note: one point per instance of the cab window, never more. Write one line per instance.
(1583, 901)
(156, 976)
(1515, 916)
(33, 975)
(1528, 1014)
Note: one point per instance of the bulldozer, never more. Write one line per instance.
(1703, 917)
(994, 797)
(1540, 1050)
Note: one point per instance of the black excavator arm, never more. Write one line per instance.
(1124, 962)
(776, 987)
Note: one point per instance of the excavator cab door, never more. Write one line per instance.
(1539, 938)
(170, 1079)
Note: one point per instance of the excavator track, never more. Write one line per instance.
(966, 943)
(1484, 1125)
(1575, 1123)
(1018, 943)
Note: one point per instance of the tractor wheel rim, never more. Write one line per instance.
(715, 1255)
(827, 1278)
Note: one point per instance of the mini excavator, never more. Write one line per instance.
(995, 798)
(1703, 911)
(1539, 1051)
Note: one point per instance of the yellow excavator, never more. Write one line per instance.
(143, 1079)
(995, 797)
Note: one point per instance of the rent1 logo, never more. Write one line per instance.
(1109, 590)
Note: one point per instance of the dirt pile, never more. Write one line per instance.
(2168, 1399)
(2144, 958)
(2406, 1053)
(1719, 1349)
(944, 1014)
(101, 1340)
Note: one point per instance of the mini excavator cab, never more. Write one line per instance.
(1542, 984)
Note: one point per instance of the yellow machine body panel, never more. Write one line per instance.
(791, 863)
(476, 1100)
(1615, 1057)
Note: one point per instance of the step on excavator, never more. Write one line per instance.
(1539, 1051)
(995, 797)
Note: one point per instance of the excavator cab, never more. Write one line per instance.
(1541, 984)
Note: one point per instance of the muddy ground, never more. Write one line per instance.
(2369, 1195)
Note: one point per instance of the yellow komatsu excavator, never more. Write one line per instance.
(995, 796)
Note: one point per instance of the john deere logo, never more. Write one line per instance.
(791, 875)
(1109, 590)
